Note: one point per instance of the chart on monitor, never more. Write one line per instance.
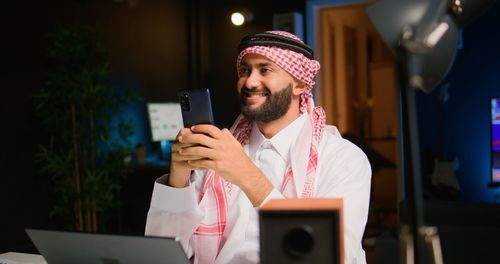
(165, 120)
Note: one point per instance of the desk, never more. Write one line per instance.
(21, 258)
(135, 197)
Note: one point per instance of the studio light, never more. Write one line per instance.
(428, 30)
(423, 35)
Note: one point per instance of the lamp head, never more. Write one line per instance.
(428, 30)
(391, 18)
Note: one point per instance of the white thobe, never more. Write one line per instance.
(343, 171)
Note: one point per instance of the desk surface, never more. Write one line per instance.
(21, 258)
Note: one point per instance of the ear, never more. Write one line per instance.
(299, 87)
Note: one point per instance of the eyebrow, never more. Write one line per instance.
(265, 64)
(259, 65)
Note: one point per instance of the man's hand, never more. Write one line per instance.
(211, 148)
(180, 170)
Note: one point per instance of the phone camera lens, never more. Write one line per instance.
(184, 100)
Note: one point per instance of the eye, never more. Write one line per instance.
(265, 70)
(244, 71)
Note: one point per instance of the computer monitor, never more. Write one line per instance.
(495, 141)
(165, 120)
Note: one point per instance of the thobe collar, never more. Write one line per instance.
(282, 141)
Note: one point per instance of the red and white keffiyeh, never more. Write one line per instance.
(215, 195)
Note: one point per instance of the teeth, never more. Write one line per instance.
(251, 94)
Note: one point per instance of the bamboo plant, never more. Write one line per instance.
(85, 152)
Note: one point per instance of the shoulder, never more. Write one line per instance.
(342, 166)
(334, 146)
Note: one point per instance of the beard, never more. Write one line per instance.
(275, 106)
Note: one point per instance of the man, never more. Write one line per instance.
(279, 147)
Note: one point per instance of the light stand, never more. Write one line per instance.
(418, 243)
(423, 34)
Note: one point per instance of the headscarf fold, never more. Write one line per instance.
(215, 195)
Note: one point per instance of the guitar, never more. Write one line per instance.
(443, 174)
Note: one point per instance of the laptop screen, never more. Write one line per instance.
(74, 247)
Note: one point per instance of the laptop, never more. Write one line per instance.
(73, 247)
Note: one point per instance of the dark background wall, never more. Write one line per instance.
(148, 51)
(465, 117)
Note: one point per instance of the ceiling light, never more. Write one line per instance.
(241, 17)
(237, 19)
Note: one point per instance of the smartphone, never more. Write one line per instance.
(196, 107)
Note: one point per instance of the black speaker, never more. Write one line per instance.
(301, 231)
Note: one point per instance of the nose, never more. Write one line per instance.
(253, 80)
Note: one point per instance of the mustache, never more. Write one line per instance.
(260, 91)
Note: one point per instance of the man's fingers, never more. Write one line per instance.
(198, 139)
(200, 151)
(178, 157)
(182, 132)
(177, 146)
(210, 130)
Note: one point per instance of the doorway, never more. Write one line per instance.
(356, 87)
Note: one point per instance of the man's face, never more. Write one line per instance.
(265, 89)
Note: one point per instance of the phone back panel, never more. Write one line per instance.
(196, 107)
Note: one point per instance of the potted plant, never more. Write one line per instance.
(85, 152)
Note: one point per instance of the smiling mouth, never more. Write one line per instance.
(247, 93)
